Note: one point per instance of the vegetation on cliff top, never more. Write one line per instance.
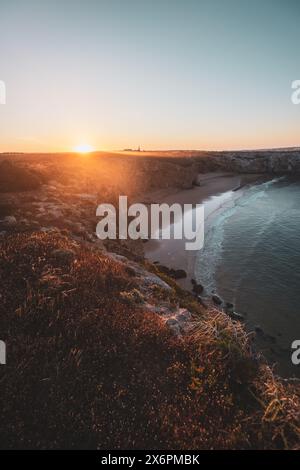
(18, 178)
(85, 369)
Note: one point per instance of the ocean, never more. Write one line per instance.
(251, 257)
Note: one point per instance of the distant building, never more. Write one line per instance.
(133, 150)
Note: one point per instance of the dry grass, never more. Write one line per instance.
(281, 410)
(17, 178)
(88, 368)
(277, 417)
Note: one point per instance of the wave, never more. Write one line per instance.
(210, 256)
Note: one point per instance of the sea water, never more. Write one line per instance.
(251, 257)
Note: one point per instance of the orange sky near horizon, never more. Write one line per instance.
(262, 140)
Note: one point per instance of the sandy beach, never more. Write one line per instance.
(214, 190)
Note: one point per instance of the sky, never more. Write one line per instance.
(162, 74)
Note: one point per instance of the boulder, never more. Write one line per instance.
(236, 316)
(173, 324)
(216, 299)
(229, 306)
(178, 273)
(198, 288)
(174, 273)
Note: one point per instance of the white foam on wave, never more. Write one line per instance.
(218, 211)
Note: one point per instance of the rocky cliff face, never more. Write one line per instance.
(269, 161)
(160, 173)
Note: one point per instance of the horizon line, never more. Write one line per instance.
(133, 151)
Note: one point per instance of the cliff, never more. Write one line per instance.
(106, 351)
(103, 353)
(268, 161)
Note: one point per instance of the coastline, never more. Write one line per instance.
(214, 191)
(107, 310)
(171, 254)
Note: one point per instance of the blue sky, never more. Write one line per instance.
(160, 74)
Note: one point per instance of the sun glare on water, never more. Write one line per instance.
(83, 148)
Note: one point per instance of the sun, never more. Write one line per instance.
(83, 148)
